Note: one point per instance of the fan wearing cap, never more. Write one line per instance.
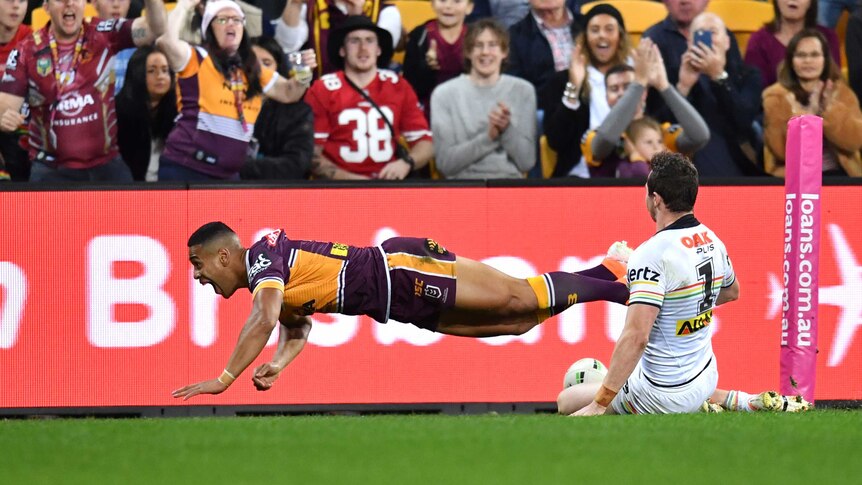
(220, 86)
(64, 71)
(352, 138)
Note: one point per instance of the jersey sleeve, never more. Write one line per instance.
(646, 277)
(414, 126)
(729, 273)
(265, 269)
(268, 78)
(315, 98)
(119, 32)
(15, 78)
(193, 65)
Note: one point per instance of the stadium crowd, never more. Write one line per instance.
(122, 90)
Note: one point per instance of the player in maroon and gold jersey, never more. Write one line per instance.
(410, 280)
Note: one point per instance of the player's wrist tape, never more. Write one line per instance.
(605, 396)
(226, 378)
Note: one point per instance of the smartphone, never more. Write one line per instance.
(703, 37)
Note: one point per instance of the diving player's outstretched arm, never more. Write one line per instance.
(291, 341)
(264, 315)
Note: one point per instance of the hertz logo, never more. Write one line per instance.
(688, 327)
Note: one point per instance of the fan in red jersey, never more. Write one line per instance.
(361, 111)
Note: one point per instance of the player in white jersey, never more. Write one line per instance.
(663, 360)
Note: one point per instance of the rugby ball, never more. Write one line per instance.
(585, 371)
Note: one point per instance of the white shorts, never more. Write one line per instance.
(640, 396)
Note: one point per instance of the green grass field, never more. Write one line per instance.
(816, 447)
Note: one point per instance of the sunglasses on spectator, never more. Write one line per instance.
(228, 20)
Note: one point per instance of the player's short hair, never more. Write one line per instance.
(674, 178)
(476, 28)
(210, 232)
(637, 127)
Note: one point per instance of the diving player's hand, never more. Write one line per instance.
(265, 375)
(591, 409)
(213, 386)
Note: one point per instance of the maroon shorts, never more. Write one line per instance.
(421, 279)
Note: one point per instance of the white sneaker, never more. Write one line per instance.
(620, 251)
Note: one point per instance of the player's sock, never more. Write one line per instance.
(600, 272)
(738, 401)
(558, 290)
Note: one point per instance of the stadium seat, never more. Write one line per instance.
(638, 15)
(742, 17)
(548, 157)
(413, 14)
(40, 16)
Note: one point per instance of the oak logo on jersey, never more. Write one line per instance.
(688, 327)
(261, 264)
(272, 238)
(434, 247)
(643, 274)
(696, 240)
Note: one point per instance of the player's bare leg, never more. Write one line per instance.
(573, 398)
(489, 302)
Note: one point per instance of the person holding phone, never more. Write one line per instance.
(726, 93)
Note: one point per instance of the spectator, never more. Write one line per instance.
(603, 43)
(362, 110)
(484, 122)
(540, 44)
(116, 9)
(566, 104)
(220, 86)
(308, 23)
(607, 44)
(284, 132)
(72, 129)
(146, 109)
(435, 50)
(14, 164)
(766, 47)
(830, 11)
(809, 82)
(609, 151)
(853, 47)
(717, 83)
(191, 30)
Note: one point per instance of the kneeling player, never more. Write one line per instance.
(406, 279)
